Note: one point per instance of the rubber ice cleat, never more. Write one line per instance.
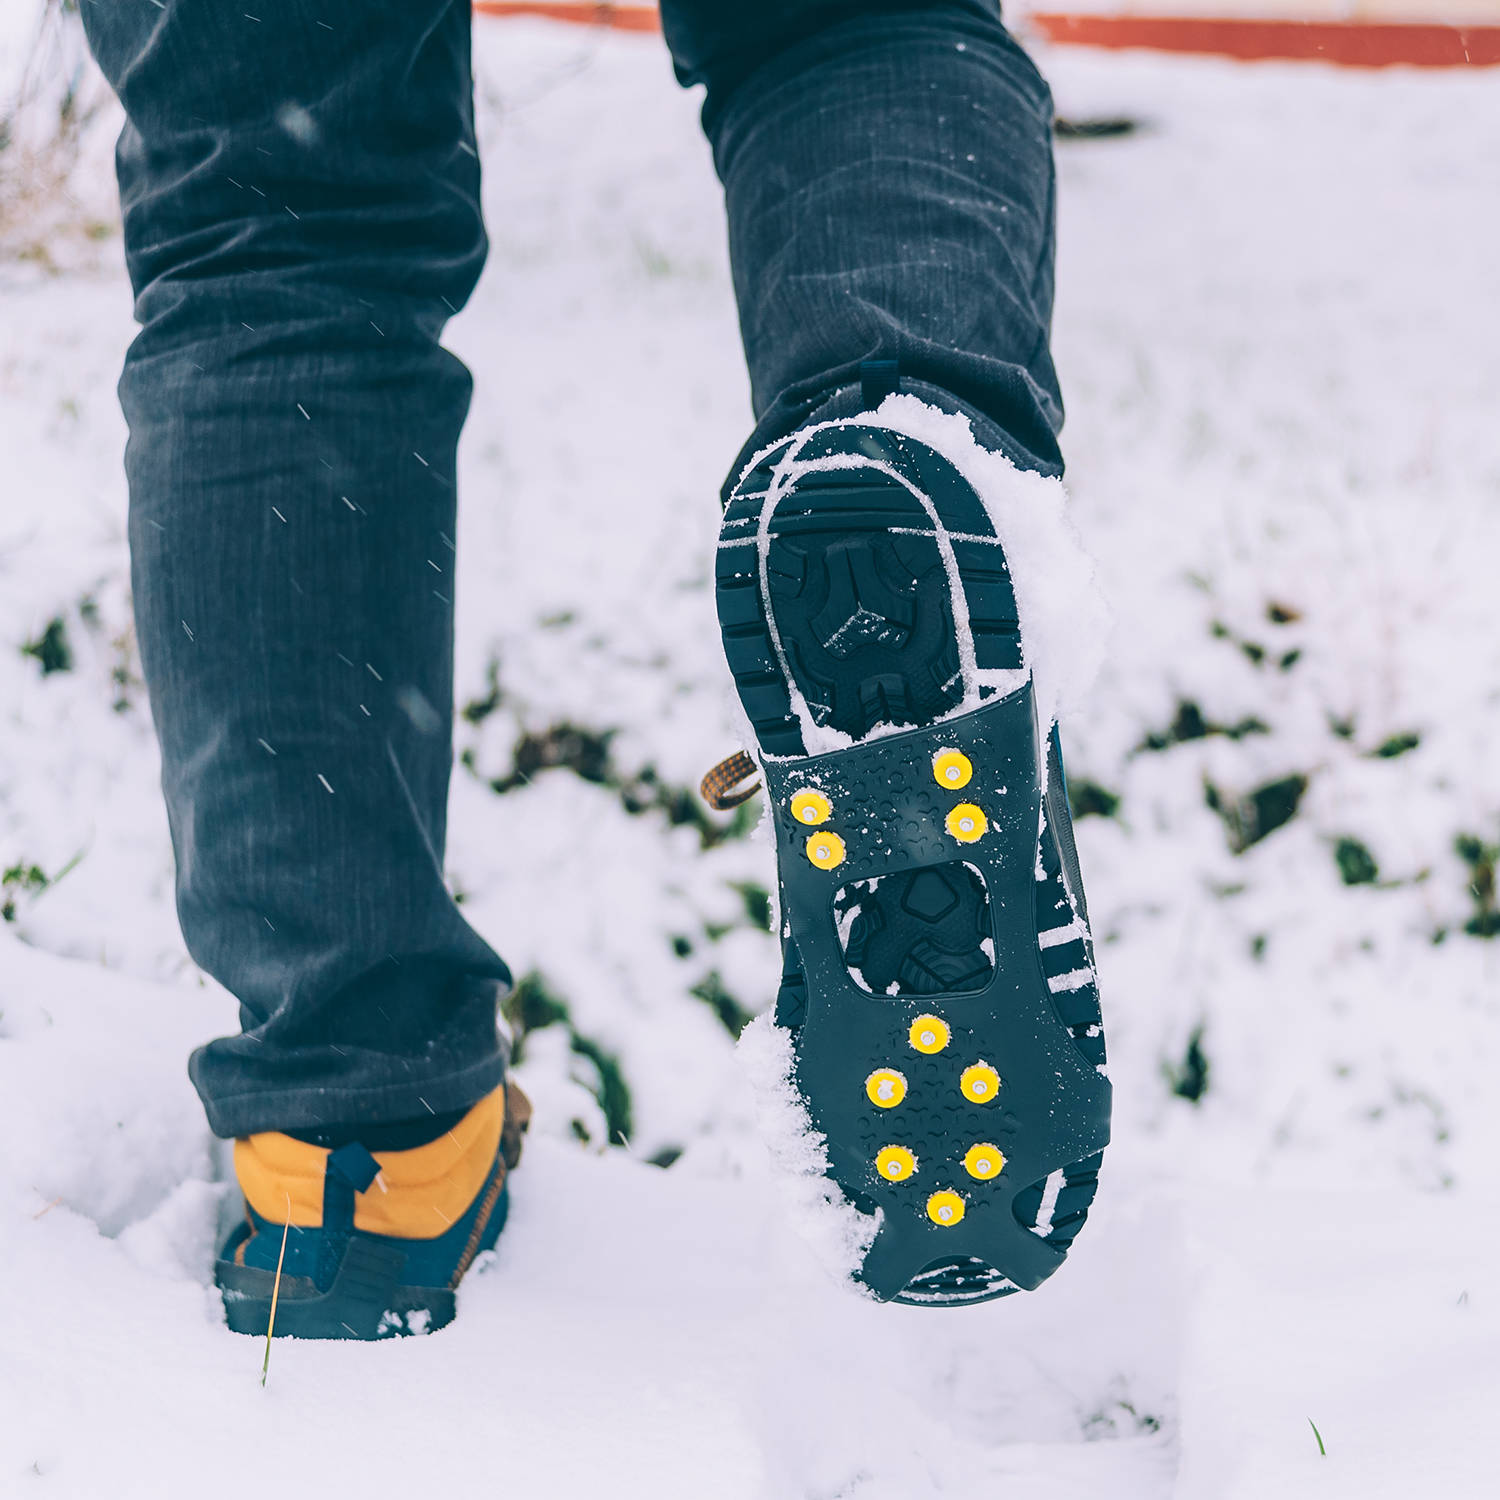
(929, 1034)
(983, 1161)
(869, 619)
(376, 1242)
(980, 1084)
(895, 1163)
(952, 769)
(946, 1209)
(825, 850)
(811, 807)
(966, 823)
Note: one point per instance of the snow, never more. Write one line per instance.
(1276, 333)
(838, 1233)
(1063, 618)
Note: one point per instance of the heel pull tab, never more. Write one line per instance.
(878, 378)
(354, 1165)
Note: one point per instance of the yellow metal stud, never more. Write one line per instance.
(825, 850)
(895, 1163)
(952, 769)
(929, 1034)
(886, 1088)
(945, 1209)
(811, 807)
(967, 823)
(980, 1083)
(984, 1161)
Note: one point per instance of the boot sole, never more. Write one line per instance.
(365, 1301)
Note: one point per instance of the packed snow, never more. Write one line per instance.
(1063, 619)
(1276, 329)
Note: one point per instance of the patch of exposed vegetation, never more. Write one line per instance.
(1481, 858)
(1188, 1079)
(1191, 723)
(1396, 744)
(1102, 128)
(533, 1005)
(1088, 799)
(712, 991)
(24, 881)
(1249, 818)
(51, 649)
(1357, 866)
(588, 754)
(19, 881)
(1253, 651)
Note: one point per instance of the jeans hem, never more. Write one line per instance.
(304, 1108)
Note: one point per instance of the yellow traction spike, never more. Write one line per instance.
(811, 807)
(895, 1163)
(945, 1209)
(929, 1034)
(886, 1088)
(825, 850)
(967, 823)
(980, 1083)
(984, 1161)
(952, 769)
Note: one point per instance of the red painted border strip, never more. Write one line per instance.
(1352, 44)
(618, 17)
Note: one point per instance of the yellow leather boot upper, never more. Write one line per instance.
(418, 1195)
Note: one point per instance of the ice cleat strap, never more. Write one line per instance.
(354, 1165)
(723, 788)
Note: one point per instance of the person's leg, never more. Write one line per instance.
(300, 195)
(887, 168)
(888, 174)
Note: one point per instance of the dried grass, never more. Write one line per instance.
(46, 120)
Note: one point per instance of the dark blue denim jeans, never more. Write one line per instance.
(300, 191)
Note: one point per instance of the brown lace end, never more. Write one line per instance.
(718, 787)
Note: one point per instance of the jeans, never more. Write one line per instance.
(300, 193)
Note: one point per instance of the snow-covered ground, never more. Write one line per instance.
(1279, 332)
